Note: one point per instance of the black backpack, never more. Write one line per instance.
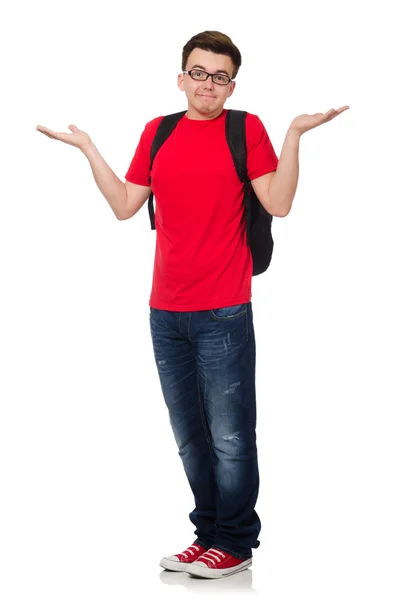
(259, 221)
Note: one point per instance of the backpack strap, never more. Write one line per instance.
(164, 130)
(236, 139)
(235, 135)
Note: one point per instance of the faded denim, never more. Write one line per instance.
(206, 364)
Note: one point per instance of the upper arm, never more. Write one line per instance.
(261, 158)
(261, 187)
(136, 198)
(139, 171)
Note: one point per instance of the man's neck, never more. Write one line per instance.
(195, 115)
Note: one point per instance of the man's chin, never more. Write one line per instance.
(205, 106)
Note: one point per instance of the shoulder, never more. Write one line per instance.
(255, 130)
(152, 126)
(148, 133)
(253, 123)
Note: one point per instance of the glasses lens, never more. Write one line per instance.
(199, 75)
(222, 79)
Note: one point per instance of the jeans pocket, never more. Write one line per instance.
(229, 313)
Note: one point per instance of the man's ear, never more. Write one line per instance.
(233, 85)
(180, 82)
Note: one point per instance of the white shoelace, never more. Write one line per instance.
(210, 555)
(189, 550)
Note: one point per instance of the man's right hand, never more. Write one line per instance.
(78, 138)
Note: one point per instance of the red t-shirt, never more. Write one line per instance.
(202, 260)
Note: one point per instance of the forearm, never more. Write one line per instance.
(112, 188)
(284, 183)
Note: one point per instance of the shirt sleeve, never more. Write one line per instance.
(261, 157)
(139, 169)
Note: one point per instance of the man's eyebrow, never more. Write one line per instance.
(204, 69)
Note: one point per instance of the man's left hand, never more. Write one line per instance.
(303, 123)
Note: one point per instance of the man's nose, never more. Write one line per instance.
(209, 83)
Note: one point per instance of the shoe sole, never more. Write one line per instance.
(207, 573)
(172, 565)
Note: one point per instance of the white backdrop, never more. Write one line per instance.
(93, 490)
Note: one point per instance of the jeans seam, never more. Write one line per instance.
(199, 400)
(246, 326)
(202, 411)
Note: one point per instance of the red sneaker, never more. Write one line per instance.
(217, 563)
(178, 562)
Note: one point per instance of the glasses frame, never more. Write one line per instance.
(212, 75)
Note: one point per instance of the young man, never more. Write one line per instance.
(201, 315)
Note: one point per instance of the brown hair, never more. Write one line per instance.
(213, 41)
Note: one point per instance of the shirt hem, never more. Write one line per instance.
(199, 307)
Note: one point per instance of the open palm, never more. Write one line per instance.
(78, 137)
(305, 122)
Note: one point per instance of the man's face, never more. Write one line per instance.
(206, 98)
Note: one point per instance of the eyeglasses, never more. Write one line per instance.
(199, 75)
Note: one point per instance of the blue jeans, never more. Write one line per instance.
(206, 364)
